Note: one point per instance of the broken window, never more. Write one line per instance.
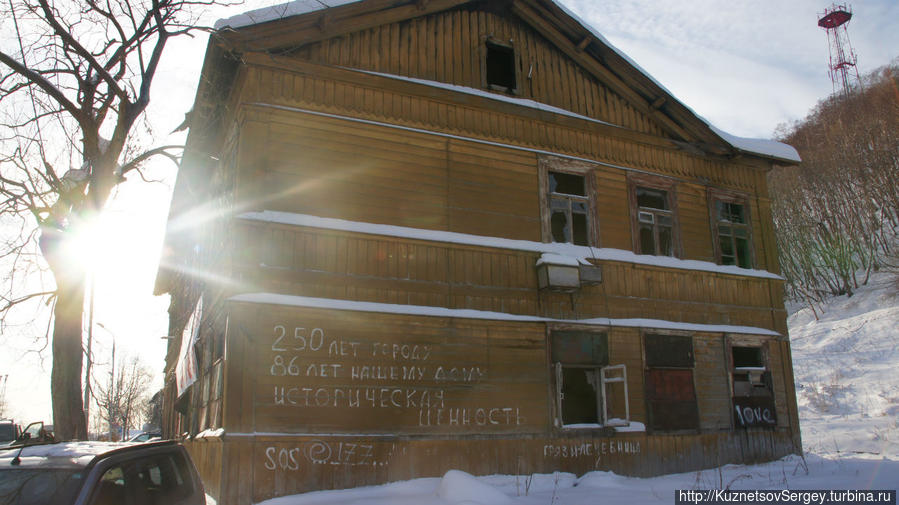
(654, 225)
(500, 67)
(569, 208)
(670, 392)
(655, 222)
(588, 391)
(731, 229)
(753, 390)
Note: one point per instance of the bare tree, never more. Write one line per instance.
(836, 216)
(122, 400)
(75, 81)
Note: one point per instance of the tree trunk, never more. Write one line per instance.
(65, 377)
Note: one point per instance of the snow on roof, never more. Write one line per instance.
(764, 147)
(285, 10)
(767, 147)
(429, 311)
(576, 252)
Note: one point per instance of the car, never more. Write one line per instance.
(37, 471)
(146, 436)
(9, 432)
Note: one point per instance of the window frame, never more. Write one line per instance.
(487, 41)
(549, 164)
(763, 343)
(601, 376)
(636, 181)
(714, 196)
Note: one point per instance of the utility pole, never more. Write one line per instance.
(87, 368)
(3, 379)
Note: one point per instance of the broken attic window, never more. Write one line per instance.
(500, 67)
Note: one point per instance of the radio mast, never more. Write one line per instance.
(842, 57)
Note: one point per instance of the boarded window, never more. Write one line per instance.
(588, 392)
(580, 348)
(500, 66)
(670, 393)
(569, 208)
(669, 351)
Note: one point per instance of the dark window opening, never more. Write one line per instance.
(569, 208)
(747, 357)
(588, 391)
(649, 198)
(750, 375)
(501, 67)
(568, 184)
(580, 396)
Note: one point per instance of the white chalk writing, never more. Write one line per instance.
(749, 416)
(461, 416)
(320, 452)
(359, 397)
(595, 450)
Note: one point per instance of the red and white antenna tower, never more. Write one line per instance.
(842, 56)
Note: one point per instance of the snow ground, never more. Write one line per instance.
(848, 393)
(845, 368)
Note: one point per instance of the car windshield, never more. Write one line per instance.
(7, 432)
(30, 486)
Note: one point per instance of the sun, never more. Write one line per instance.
(119, 248)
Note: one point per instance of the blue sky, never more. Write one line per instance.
(745, 65)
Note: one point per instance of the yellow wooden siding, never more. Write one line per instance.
(329, 167)
(449, 47)
(710, 375)
(352, 266)
(366, 96)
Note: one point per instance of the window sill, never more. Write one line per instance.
(619, 428)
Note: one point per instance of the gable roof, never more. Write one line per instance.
(555, 20)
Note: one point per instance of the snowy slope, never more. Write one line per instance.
(848, 392)
(845, 365)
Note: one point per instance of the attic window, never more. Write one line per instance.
(500, 69)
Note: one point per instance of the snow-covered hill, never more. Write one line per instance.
(846, 371)
(848, 390)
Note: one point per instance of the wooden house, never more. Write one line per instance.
(418, 235)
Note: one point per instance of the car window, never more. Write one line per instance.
(38, 486)
(161, 479)
(7, 432)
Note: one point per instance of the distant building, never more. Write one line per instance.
(410, 236)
